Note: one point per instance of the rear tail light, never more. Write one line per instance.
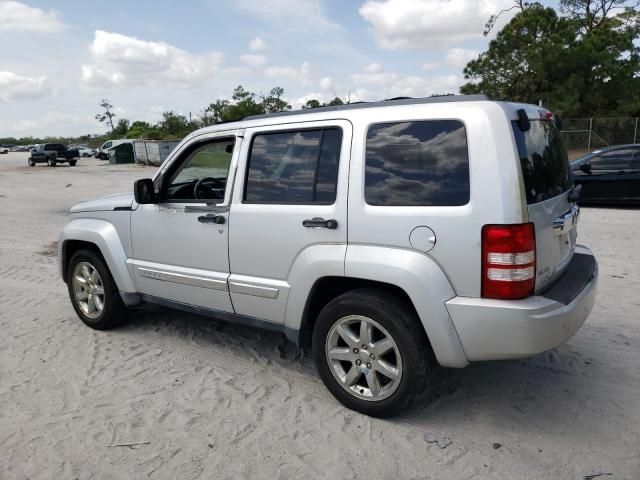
(508, 261)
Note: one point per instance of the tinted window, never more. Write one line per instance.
(294, 167)
(202, 175)
(55, 146)
(544, 161)
(615, 161)
(417, 163)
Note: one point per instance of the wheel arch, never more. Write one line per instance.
(327, 288)
(412, 276)
(102, 237)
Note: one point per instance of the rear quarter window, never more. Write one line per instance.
(417, 163)
(545, 165)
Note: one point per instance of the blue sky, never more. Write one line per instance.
(57, 62)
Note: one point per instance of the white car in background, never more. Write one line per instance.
(103, 150)
(86, 152)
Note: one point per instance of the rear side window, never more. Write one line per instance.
(294, 167)
(544, 161)
(420, 163)
(613, 161)
(54, 146)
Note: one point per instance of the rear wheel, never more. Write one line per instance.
(93, 292)
(372, 353)
(72, 163)
(51, 162)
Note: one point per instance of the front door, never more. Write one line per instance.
(181, 245)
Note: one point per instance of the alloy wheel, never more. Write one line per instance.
(363, 357)
(88, 289)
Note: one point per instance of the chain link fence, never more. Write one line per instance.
(583, 135)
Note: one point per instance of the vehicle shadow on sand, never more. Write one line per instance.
(547, 390)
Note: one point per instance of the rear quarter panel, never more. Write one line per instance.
(495, 192)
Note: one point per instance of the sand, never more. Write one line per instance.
(213, 400)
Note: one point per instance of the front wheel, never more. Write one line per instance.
(371, 352)
(93, 292)
(51, 163)
(31, 163)
(72, 163)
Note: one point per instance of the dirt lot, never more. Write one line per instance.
(220, 401)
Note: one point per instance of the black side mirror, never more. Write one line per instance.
(144, 191)
(586, 168)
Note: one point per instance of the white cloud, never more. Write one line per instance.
(389, 84)
(321, 97)
(374, 68)
(16, 87)
(295, 15)
(302, 73)
(430, 23)
(16, 16)
(430, 66)
(119, 59)
(50, 123)
(459, 57)
(326, 83)
(257, 45)
(374, 78)
(253, 60)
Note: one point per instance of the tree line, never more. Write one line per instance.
(582, 60)
(173, 125)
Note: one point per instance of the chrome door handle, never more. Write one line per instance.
(211, 218)
(318, 222)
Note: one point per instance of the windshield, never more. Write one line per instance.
(544, 161)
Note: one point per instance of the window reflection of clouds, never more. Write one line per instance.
(282, 167)
(417, 163)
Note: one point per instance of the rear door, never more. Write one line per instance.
(289, 207)
(547, 181)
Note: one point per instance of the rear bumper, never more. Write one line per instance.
(502, 329)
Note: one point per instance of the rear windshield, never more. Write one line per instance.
(545, 165)
(54, 146)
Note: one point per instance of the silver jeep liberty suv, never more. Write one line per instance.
(389, 237)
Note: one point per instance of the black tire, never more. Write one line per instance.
(72, 163)
(114, 310)
(51, 163)
(400, 321)
(31, 163)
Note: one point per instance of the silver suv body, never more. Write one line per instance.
(426, 230)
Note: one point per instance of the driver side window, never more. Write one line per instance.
(202, 175)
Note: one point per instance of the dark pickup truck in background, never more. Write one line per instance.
(52, 154)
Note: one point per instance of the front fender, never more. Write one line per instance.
(103, 235)
(426, 285)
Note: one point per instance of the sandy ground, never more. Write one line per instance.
(213, 400)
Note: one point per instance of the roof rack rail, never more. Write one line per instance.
(383, 103)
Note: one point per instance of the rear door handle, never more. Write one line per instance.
(319, 222)
(211, 218)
